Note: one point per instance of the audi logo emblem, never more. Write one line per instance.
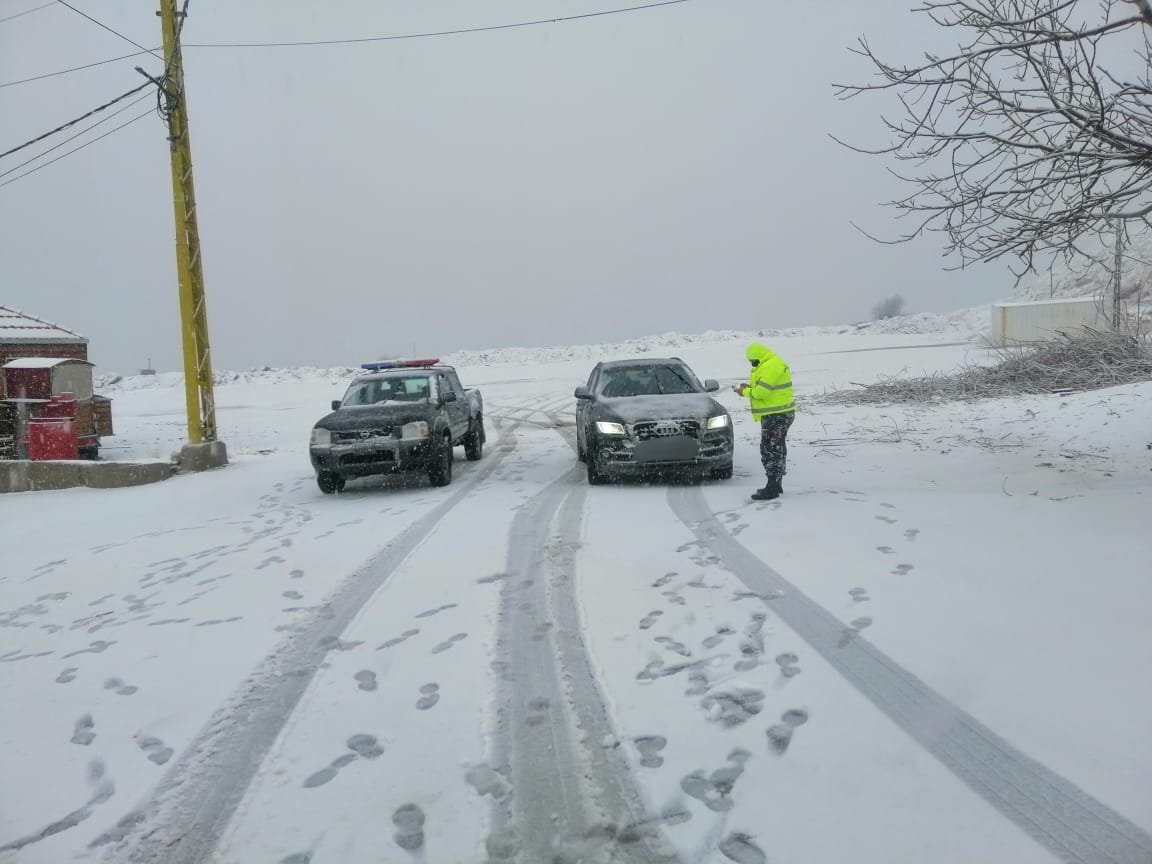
(663, 430)
(372, 433)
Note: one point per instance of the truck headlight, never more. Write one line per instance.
(418, 429)
(605, 428)
(321, 438)
(718, 422)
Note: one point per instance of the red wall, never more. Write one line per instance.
(71, 351)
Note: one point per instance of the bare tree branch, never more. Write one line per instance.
(1034, 135)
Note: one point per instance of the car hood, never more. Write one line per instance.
(369, 416)
(634, 409)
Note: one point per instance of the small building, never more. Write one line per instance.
(45, 375)
(1040, 320)
(23, 335)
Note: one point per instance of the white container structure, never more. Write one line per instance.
(1020, 323)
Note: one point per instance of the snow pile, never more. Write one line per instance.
(964, 323)
(265, 375)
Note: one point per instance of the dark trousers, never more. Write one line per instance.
(774, 444)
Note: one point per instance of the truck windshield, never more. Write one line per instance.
(414, 388)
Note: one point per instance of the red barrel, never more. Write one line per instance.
(52, 439)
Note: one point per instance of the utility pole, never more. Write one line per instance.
(203, 450)
(1117, 308)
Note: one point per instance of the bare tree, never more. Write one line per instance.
(1030, 139)
(889, 307)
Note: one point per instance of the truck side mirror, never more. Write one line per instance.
(450, 396)
(583, 393)
(711, 385)
(335, 404)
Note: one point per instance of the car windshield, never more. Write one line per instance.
(412, 388)
(655, 380)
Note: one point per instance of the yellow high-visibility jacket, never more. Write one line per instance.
(770, 384)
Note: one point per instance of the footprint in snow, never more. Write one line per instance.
(430, 612)
(366, 679)
(887, 550)
(911, 534)
(902, 569)
(431, 695)
(740, 848)
(860, 595)
(68, 675)
(648, 620)
(120, 687)
(887, 519)
(82, 732)
(444, 646)
(158, 754)
(650, 747)
(409, 822)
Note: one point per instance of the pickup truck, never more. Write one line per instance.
(401, 416)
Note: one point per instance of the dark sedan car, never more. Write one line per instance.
(642, 416)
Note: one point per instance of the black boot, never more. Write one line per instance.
(769, 493)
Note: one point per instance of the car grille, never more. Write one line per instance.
(650, 429)
(349, 459)
(361, 435)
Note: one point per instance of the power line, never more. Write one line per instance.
(27, 12)
(64, 126)
(116, 33)
(434, 33)
(81, 147)
(74, 68)
(79, 134)
(347, 41)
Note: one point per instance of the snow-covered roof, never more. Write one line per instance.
(1055, 301)
(41, 362)
(16, 326)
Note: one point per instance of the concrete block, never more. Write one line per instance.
(113, 475)
(14, 477)
(203, 457)
(43, 476)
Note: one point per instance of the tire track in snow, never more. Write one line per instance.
(1067, 821)
(572, 798)
(186, 815)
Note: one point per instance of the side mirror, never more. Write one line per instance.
(450, 396)
(583, 393)
(711, 385)
(335, 404)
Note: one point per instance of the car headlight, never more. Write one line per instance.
(321, 438)
(718, 422)
(419, 429)
(605, 428)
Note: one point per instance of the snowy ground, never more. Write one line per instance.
(934, 648)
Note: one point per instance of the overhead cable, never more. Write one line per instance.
(81, 147)
(82, 117)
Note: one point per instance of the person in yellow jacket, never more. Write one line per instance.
(769, 391)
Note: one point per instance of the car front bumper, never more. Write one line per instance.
(376, 456)
(674, 453)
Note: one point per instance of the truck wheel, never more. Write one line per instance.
(440, 471)
(595, 474)
(474, 441)
(329, 482)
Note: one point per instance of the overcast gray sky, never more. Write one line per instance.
(667, 169)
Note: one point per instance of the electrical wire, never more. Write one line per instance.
(79, 134)
(27, 12)
(82, 117)
(351, 41)
(116, 33)
(81, 147)
(437, 32)
(74, 68)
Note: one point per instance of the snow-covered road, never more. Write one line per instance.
(932, 649)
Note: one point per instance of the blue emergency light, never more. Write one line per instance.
(400, 364)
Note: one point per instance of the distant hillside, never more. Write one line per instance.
(1093, 278)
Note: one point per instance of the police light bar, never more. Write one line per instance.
(400, 364)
